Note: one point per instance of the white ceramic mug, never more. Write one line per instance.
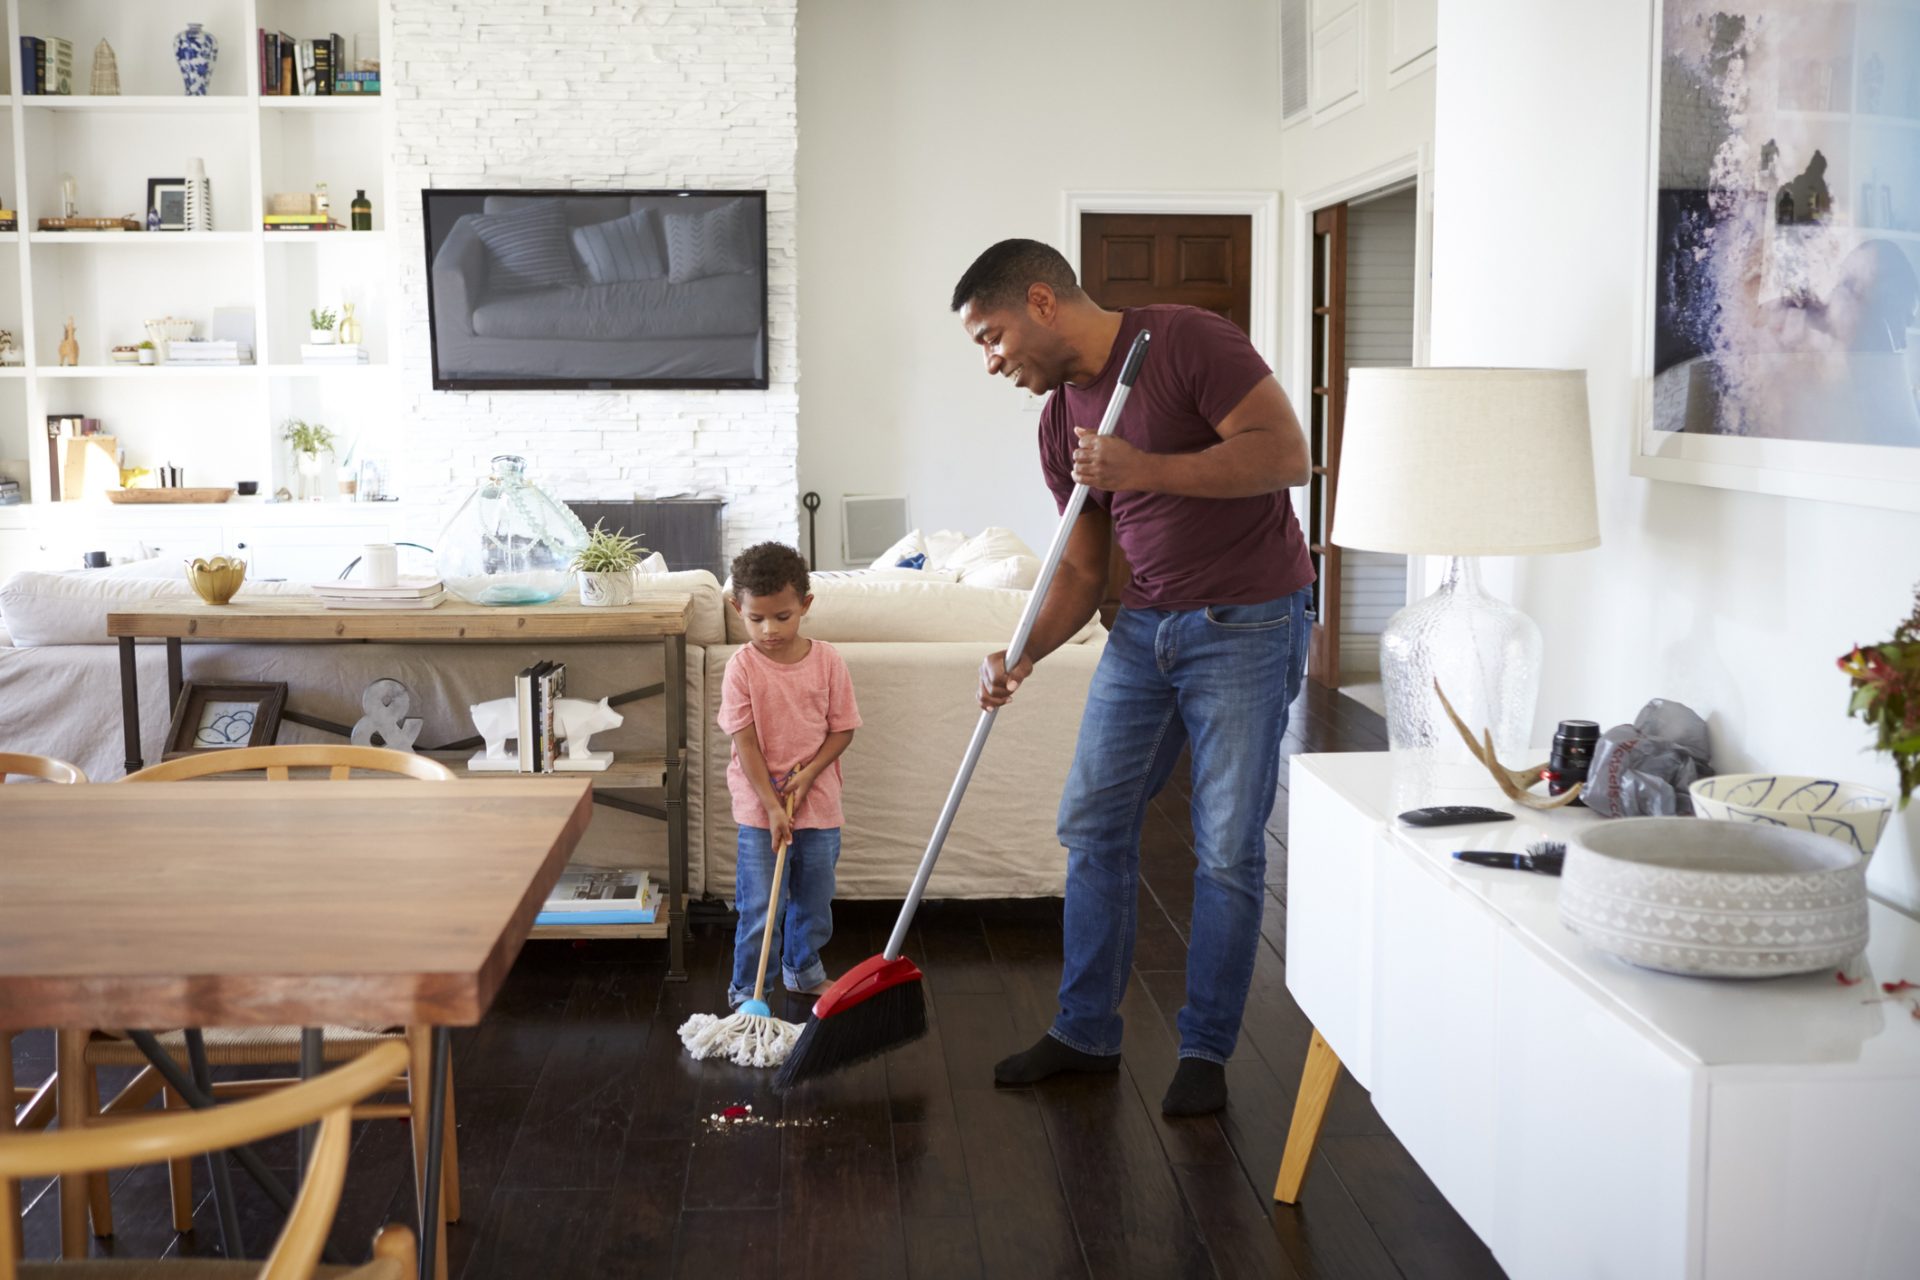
(380, 564)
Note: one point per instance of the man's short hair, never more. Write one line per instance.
(1001, 276)
(763, 569)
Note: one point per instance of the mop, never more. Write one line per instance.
(878, 1005)
(750, 1036)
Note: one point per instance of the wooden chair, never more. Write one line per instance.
(82, 1054)
(46, 768)
(327, 1098)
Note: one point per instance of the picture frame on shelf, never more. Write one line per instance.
(216, 717)
(166, 204)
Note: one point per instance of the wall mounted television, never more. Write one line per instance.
(556, 289)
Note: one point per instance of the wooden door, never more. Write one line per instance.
(1325, 409)
(1138, 259)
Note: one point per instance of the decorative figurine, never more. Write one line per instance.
(70, 347)
(106, 71)
(349, 328)
(386, 703)
(9, 354)
(195, 50)
(575, 720)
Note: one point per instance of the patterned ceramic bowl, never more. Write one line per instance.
(217, 579)
(1715, 899)
(1845, 811)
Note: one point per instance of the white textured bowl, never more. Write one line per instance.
(1715, 899)
(1844, 811)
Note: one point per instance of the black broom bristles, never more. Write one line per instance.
(877, 1025)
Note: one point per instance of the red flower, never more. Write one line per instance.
(1845, 981)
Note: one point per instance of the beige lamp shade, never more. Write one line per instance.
(1466, 462)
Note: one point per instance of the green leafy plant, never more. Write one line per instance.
(608, 552)
(308, 438)
(321, 318)
(145, 346)
(1886, 694)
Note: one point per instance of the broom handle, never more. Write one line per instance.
(773, 905)
(1015, 650)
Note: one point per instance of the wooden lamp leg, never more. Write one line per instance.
(1309, 1109)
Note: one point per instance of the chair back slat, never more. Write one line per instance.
(45, 768)
(339, 761)
(277, 773)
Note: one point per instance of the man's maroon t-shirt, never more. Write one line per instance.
(1186, 553)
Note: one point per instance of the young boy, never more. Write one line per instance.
(787, 703)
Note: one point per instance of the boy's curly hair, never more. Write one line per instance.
(762, 570)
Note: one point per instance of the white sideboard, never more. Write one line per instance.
(1585, 1117)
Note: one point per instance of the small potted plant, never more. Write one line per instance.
(605, 566)
(320, 325)
(309, 441)
(149, 354)
(1886, 694)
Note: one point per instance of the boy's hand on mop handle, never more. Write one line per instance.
(780, 814)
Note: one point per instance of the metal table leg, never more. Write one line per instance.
(130, 702)
(430, 1217)
(224, 1205)
(174, 680)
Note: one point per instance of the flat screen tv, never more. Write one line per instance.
(536, 290)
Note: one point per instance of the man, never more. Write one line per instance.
(1206, 653)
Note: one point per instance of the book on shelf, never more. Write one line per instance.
(289, 67)
(208, 351)
(553, 687)
(601, 895)
(355, 602)
(523, 718)
(303, 56)
(409, 587)
(336, 353)
(59, 74)
(308, 219)
(327, 225)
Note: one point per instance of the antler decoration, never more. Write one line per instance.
(1513, 783)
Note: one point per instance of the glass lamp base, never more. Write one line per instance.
(1486, 655)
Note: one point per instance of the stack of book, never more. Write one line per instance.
(302, 68)
(535, 692)
(299, 222)
(9, 221)
(365, 83)
(332, 353)
(407, 593)
(208, 351)
(590, 895)
(46, 66)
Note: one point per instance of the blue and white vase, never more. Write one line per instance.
(195, 50)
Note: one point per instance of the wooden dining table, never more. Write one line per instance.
(250, 904)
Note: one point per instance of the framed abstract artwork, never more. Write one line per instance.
(216, 717)
(1780, 335)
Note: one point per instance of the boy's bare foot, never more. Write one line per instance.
(817, 989)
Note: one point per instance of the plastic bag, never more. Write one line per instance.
(1643, 769)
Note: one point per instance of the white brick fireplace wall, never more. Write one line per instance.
(586, 94)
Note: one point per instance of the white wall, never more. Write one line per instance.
(929, 131)
(647, 93)
(1736, 604)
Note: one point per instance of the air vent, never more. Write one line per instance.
(869, 525)
(1293, 60)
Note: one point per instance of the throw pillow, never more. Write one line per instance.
(994, 557)
(715, 242)
(623, 249)
(909, 546)
(527, 248)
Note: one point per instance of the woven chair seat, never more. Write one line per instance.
(188, 1269)
(239, 1046)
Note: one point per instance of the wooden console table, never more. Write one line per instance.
(659, 779)
(1584, 1116)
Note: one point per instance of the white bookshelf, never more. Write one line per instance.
(219, 424)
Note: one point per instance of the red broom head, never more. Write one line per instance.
(863, 982)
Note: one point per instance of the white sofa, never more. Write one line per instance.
(913, 647)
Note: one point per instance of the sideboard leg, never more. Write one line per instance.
(1309, 1109)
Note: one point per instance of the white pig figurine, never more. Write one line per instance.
(575, 721)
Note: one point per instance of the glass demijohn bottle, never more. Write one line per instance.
(509, 543)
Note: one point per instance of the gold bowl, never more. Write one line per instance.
(217, 579)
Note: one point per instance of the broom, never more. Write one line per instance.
(750, 1036)
(878, 1005)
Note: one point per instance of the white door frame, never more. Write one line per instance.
(1263, 207)
(1416, 165)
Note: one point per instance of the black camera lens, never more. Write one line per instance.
(1572, 756)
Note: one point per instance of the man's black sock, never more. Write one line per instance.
(1048, 1058)
(1199, 1088)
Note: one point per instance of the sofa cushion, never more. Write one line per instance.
(994, 557)
(527, 248)
(723, 306)
(707, 625)
(72, 608)
(863, 608)
(712, 242)
(626, 248)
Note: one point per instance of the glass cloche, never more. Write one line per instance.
(509, 543)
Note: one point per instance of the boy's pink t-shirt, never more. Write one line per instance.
(792, 707)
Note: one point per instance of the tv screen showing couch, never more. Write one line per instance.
(589, 289)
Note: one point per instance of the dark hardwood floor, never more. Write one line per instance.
(587, 1148)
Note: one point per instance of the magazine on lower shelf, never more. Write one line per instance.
(601, 895)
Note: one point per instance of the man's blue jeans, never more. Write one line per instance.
(1220, 679)
(805, 921)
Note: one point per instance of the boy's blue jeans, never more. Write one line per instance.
(805, 920)
(1220, 679)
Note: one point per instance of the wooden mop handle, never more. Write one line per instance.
(773, 905)
(1016, 650)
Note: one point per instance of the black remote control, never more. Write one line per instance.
(1452, 815)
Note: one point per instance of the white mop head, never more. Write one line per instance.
(742, 1038)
